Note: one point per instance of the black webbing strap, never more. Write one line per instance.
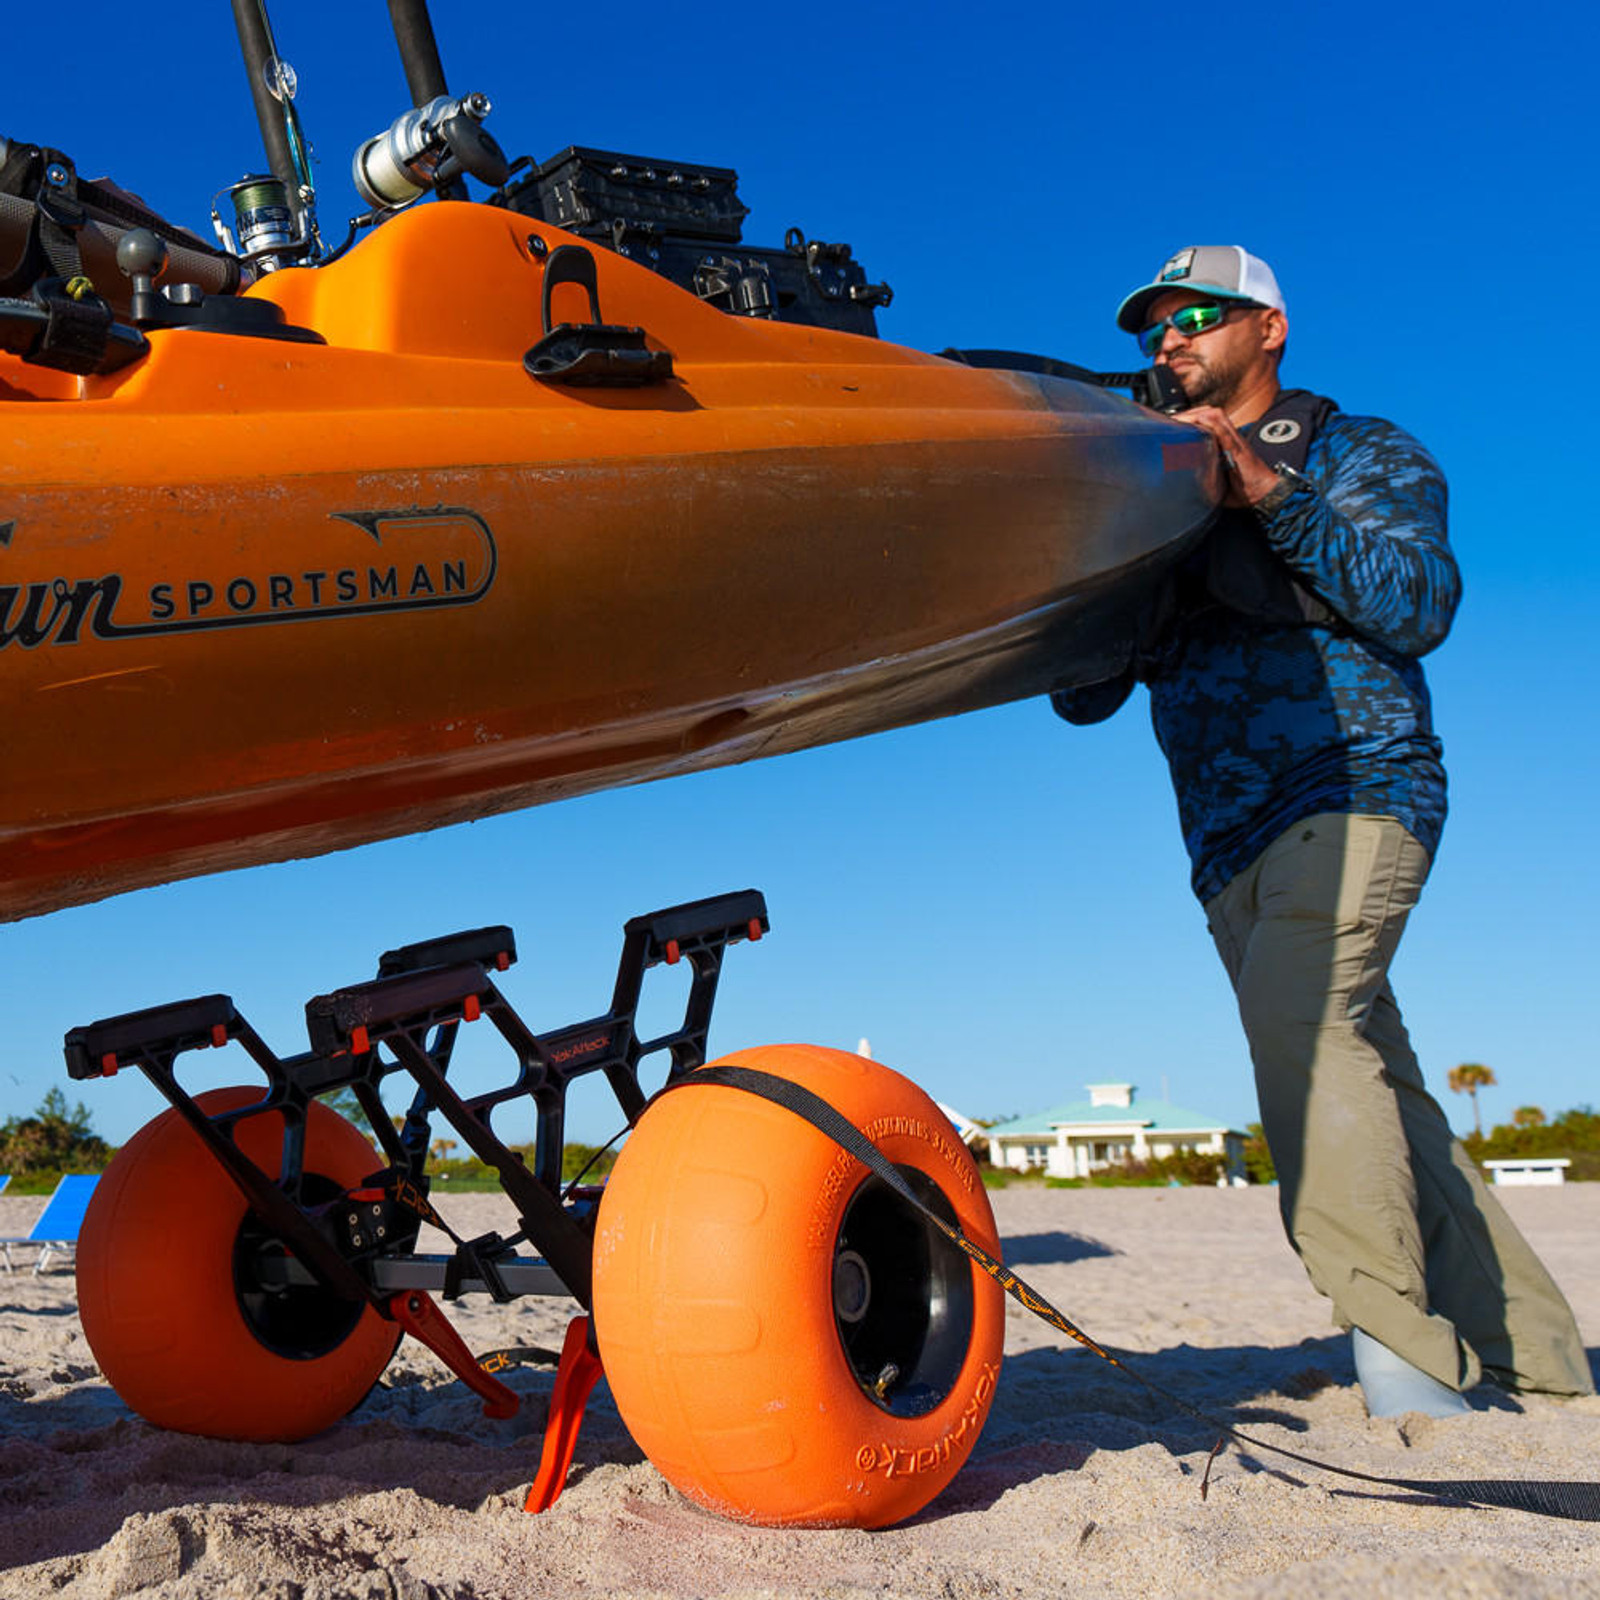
(60, 214)
(64, 203)
(77, 327)
(1579, 1502)
(72, 331)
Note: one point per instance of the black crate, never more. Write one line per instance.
(684, 222)
(585, 191)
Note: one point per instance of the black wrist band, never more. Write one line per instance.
(1288, 481)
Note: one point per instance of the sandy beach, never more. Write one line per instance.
(1081, 1483)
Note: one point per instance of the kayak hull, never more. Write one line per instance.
(262, 599)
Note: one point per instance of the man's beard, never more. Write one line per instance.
(1207, 385)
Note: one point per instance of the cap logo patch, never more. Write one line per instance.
(1280, 431)
(1179, 266)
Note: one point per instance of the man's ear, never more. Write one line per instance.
(1274, 329)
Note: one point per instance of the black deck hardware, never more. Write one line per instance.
(408, 1019)
(684, 221)
(1155, 387)
(595, 353)
(51, 329)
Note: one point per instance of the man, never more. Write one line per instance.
(1288, 697)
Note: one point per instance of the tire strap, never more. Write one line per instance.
(1577, 1502)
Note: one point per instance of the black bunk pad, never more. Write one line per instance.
(489, 947)
(336, 1021)
(701, 924)
(101, 1047)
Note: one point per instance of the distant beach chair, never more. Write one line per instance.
(5, 1178)
(56, 1230)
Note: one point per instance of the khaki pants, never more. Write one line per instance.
(1387, 1212)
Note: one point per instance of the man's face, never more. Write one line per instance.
(1214, 367)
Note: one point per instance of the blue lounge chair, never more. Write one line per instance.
(5, 1178)
(56, 1230)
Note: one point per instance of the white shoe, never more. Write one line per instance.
(1392, 1386)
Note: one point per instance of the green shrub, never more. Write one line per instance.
(1258, 1167)
(1573, 1134)
(36, 1150)
(1187, 1167)
(468, 1173)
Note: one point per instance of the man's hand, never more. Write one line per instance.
(1249, 477)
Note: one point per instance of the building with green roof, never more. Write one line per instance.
(1113, 1125)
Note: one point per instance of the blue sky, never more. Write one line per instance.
(998, 902)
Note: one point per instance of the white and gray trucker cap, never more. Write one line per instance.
(1228, 271)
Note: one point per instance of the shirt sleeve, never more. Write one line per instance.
(1367, 534)
(1087, 704)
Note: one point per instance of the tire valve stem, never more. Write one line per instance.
(885, 1380)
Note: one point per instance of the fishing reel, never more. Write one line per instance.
(427, 148)
(265, 230)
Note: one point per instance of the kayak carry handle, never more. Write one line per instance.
(596, 353)
(571, 263)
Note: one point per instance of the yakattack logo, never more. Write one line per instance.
(895, 1462)
(407, 1194)
(424, 559)
(580, 1048)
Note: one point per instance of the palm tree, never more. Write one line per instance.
(1469, 1078)
(1529, 1117)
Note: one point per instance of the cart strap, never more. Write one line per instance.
(1578, 1502)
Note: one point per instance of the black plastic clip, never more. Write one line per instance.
(595, 353)
(476, 1259)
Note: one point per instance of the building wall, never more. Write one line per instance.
(1071, 1155)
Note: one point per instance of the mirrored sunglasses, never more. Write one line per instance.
(1187, 321)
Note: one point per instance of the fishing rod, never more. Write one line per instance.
(430, 148)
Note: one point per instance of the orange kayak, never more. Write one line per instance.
(264, 597)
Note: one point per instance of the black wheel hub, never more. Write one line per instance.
(902, 1297)
(297, 1321)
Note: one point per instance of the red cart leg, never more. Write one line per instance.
(575, 1379)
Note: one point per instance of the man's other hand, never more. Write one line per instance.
(1249, 477)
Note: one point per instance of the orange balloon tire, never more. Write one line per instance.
(173, 1326)
(754, 1285)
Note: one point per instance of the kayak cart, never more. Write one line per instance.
(784, 1337)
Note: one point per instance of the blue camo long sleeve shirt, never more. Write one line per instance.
(1262, 724)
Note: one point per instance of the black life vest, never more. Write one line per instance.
(1234, 565)
(1233, 568)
